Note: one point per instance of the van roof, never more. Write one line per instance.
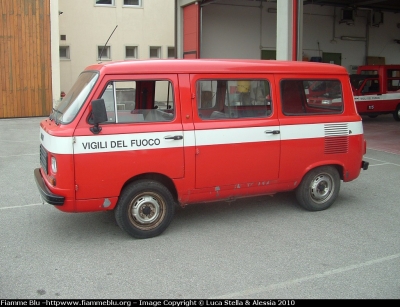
(187, 66)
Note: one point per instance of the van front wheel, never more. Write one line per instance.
(319, 188)
(145, 209)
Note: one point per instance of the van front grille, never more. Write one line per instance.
(43, 159)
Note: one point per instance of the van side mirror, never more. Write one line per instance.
(99, 115)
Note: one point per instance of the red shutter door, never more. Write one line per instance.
(191, 31)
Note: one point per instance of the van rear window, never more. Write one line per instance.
(311, 97)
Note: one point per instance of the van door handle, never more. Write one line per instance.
(175, 137)
(272, 131)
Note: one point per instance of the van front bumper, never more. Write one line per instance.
(45, 193)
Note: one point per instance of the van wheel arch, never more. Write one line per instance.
(338, 167)
(162, 179)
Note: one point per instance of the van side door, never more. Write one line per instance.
(237, 133)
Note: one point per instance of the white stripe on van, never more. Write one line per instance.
(54, 144)
(235, 135)
(129, 141)
(390, 96)
(165, 139)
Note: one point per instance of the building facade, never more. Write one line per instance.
(132, 29)
(45, 44)
(267, 29)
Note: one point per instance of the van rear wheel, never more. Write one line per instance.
(396, 113)
(319, 188)
(145, 209)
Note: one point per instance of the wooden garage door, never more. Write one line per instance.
(25, 63)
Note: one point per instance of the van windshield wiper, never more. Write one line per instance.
(55, 117)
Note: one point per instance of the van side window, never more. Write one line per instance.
(233, 99)
(370, 86)
(139, 101)
(311, 97)
(393, 76)
(369, 72)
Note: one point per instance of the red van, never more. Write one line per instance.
(140, 137)
(376, 90)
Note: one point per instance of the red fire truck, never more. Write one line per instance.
(376, 90)
(140, 137)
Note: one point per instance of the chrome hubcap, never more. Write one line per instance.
(146, 209)
(321, 188)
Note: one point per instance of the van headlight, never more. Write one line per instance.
(54, 164)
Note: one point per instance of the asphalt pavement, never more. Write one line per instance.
(255, 248)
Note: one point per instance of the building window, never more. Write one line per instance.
(63, 37)
(105, 2)
(131, 52)
(103, 53)
(155, 52)
(64, 53)
(133, 3)
(171, 52)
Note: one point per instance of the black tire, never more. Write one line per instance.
(145, 209)
(319, 188)
(396, 113)
(373, 116)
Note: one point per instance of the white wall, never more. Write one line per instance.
(88, 26)
(234, 31)
(385, 36)
(319, 27)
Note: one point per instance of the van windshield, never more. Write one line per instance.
(357, 80)
(69, 107)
